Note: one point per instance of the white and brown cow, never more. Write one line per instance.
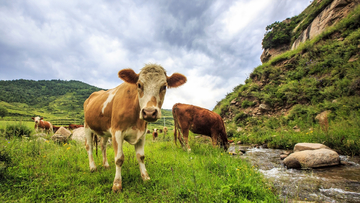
(123, 112)
(43, 125)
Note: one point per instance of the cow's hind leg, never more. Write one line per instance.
(89, 148)
(103, 144)
(185, 133)
(118, 141)
(139, 150)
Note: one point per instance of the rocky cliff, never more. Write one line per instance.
(332, 13)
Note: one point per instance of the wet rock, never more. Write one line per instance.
(309, 146)
(312, 159)
(283, 156)
(265, 146)
(239, 142)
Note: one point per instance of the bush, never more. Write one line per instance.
(17, 130)
(5, 162)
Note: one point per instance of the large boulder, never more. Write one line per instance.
(78, 134)
(309, 146)
(61, 135)
(312, 159)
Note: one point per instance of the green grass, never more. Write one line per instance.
(44, 171)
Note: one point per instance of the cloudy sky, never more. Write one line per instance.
(215, 43)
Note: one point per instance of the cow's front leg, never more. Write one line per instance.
(89, 148)
(118, 141)
(139, 150)
(103, 144)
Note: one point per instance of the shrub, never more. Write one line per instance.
(17, 130)
(247, 103)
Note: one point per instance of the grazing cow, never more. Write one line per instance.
(199, 121)
(148, 131)
(74, 126)
(55, 128)
(122, 113)
(155, 133)
(43, 125)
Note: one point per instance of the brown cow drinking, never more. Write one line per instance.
(200, 121)
(43, 125)
(122, 113)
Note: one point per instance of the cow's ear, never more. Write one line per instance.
(176, 79)
(33, 118)
(41, 118)
(128, 75)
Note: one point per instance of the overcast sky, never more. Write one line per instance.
(216, 44)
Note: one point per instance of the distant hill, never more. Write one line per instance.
(48, 98)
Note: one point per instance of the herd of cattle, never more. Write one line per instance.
(122, 113)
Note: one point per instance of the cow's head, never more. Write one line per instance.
(37, 119)
(151, 83)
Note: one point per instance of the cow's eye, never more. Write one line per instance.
(139, 85)
(163, 88)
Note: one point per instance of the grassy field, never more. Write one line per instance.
(42, 171)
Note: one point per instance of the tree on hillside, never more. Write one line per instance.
(3, 112)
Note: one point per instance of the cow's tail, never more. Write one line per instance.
(95, 139)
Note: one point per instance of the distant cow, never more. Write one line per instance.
(74, 126)
(148, 131)
(165, 130)
(55, 128)
(199, 121)
(155, 133)
(43, 125)
(122, 113)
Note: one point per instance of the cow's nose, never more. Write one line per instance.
(150, 114)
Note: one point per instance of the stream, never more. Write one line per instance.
(328, 184)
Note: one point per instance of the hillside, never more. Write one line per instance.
(51, 99)
(287, 92)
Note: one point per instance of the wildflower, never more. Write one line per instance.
(65, 144)
(68, 148)
(237, 169)
(307, 133)
(221, 153)
(44, 156)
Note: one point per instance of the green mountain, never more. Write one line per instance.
(291, 88)
(51, 99)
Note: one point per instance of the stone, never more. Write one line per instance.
(283, 156)
(309, 146)
(78, 134)
(40, 135)
(263, 107)
(312, 159)
(61, 135)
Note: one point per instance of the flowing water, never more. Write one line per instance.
(329, 184)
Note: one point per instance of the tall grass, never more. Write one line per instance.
(42, 171)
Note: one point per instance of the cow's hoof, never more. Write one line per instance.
(107, 166)
(117, 187)
(92, 169)
(145, 176)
